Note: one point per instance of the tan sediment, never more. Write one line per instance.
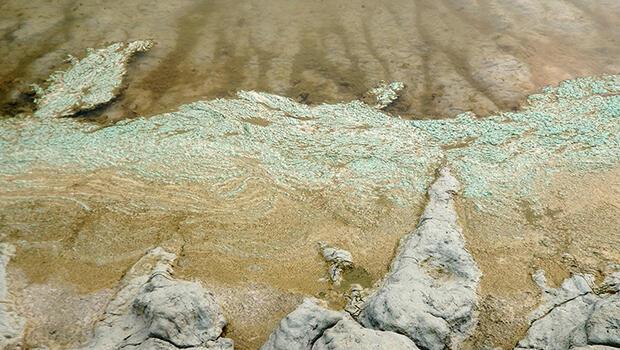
(81, 232)
(260, 267)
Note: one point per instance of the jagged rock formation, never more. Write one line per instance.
(574, 316)
(154, 311)
(348, 335)
(339, 260)
(302, 327)
(313, 327)
(11, 325)
(90, 82)
(385, 94)
(430, 292)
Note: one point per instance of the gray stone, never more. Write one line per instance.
(302, 327)
(562, 328)
(429, 293)
(11, 324)
(385, 94)
(340, 259)
(90, 82)
(157, 311)
(573, 287)
(603, 326)
(349, 335)
(573, 316)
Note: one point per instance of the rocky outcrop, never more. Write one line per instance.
(428, 298)
(90, 82)
(155, 311)
(430, 292)
(302, 327)
(11, 325)
(603, 326)
(574, 316)
(348, 334)
(339, 259)
(313, 327)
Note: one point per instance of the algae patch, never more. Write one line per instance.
(90, 82)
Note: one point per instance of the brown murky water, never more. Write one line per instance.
(454, 55)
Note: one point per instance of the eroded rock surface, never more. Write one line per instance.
(311, 326)
(11, 325)
(90, 82)
(302, 327)
(573, 316)
(348, 334)
(339, 260)
(430, 292)
(155, 311)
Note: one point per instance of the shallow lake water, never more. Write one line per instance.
(453, 55)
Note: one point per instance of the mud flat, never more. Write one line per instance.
(242, 189)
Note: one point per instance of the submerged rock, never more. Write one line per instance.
(11, 324)
(90, 82)
(429, 293)
(155, 311)
(573, 316)
(340, 259)
(385, 94)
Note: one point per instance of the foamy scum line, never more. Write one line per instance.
(351, 150)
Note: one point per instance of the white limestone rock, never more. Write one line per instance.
(574, 316)
(302, 327)
(11, 324)
(612, 279)
(429, 293)
(155, 311)
(576, 286)
(349, 335)
(603, 325)
(90, 82)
